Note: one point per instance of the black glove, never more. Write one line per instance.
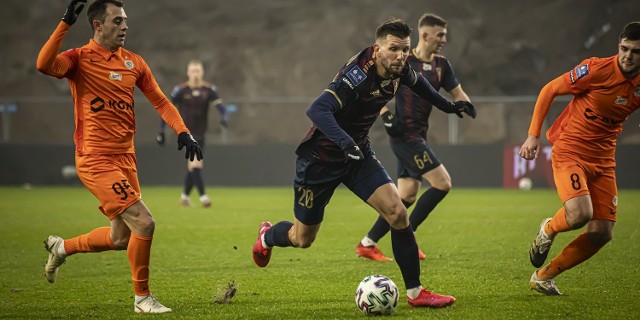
(160, 139)
(464, 106)
(73, 10)
(390, 123)
(192, 147)
(353, 153)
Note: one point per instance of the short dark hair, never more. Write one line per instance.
(97, 10)
(395, 27)
(631, 31)
(430, 20)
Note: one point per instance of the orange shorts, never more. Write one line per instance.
(112, 178)
(577, 175)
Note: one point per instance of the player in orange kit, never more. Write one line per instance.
(605, 92)
(102, 76)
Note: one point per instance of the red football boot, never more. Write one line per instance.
(262, 255)
(371, 252)
(429, 299)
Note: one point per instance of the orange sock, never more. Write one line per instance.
(557, 224)
(139, 252)
(97, 240)
(576, 252)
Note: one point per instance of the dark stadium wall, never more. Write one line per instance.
(264, 165)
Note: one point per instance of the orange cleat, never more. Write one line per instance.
(371, 252)
(429, 299)
(421, 254)
(262, 255)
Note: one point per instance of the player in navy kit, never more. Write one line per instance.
(193, 98)
(336, 150)
(408, 134)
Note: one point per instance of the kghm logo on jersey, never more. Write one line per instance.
(128, 64)
(115, 76)
(98, 104)
(592, 115)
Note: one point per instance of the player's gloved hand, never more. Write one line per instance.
(160, 138)
(193, 150)
(353, 153)
(464, 106)
(390, 123)
(73, 10)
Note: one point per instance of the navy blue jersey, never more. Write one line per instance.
(361, 93)
(412, 111)
(193, 104)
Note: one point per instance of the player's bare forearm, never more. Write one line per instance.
(457, 94)
(383, 110)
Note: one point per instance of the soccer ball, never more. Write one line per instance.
(525, 184)
(377, 295)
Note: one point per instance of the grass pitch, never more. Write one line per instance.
(476, 243)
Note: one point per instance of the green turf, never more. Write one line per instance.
(476, 244)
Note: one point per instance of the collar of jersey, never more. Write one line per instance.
(103, 52)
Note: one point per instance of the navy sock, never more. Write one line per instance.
(278, 235)
(427, 202)
(378, 230)
(405, 252)
(381, 227)
(188, 183)
(196, 177)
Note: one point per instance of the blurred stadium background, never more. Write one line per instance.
(270, 59)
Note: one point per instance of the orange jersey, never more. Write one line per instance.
(603, 98)
(102, 85)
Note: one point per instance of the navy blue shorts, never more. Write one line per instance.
(415, 158)
(315, 183)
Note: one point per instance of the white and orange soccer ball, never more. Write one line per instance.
(377, 295)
